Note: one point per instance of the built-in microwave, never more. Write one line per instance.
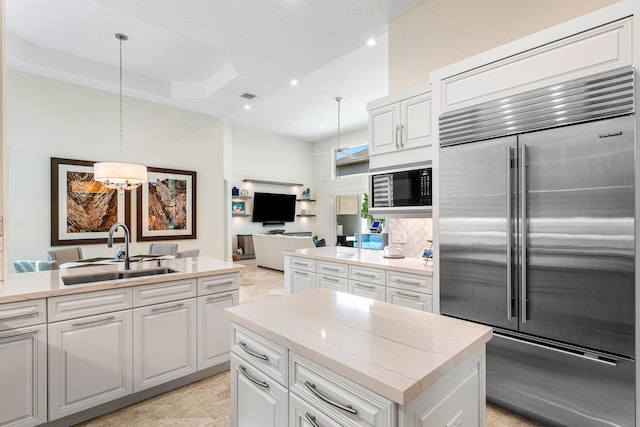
(401, 192)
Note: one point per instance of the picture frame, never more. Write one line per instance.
(238, 208)
(166, 205)
(83, 210)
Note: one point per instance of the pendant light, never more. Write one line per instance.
(120, 175)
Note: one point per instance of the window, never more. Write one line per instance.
(352, 160)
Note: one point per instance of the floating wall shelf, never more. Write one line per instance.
(259, 181)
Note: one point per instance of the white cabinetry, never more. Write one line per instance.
(400, 122)
(367, 282)
(23, 366)
(90, 350)
(332, 275)
(164, 335)
(217, 293)
(302, 274)
(410, 290)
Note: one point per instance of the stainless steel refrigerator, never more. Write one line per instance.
(537, 240)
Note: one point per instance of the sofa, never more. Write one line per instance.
(268, 248)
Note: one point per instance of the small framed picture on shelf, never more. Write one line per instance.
(237, 208)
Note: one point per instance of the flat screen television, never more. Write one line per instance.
(273, 207)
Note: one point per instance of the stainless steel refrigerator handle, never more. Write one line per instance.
(508, 190)
(523, 233)
(558, 350)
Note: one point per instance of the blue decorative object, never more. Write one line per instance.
(235, 191)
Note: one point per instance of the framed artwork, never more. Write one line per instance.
(237, 208)
(83, 210)
(166, 205)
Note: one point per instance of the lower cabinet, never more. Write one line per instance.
(257, 399)
(89, 362)
(330, 282)
(302, 280)
(410, 299)
(302, 414)
(214, 339)
(368, 290)
(23, 370)
(164, 342)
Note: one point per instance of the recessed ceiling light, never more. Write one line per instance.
(294, 82)
(322, 127)
(247, 106)
(371, 42)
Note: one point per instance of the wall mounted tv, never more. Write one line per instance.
(274, 208)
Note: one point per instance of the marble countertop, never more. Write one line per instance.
(43, 284)
(394, 351)
(365, 257)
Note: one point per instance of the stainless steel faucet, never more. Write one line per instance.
(126, 241)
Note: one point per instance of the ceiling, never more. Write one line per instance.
(201, 55)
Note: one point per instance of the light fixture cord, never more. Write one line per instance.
(121, 153)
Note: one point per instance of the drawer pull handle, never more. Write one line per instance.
(365, 274)
(360, 285)
(408, 282)
(330, 279)
(324, 267)
(106, 319)
(306, 264)
(220, 298)
(346, 408)
(253, 353)
(408, 295)
(253, 380)
(2, 337)
(311, 419)
(171, 307)
(20, 316)
(219, 283)
(301, 273)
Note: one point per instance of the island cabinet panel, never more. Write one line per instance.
(164, 292)
(303, 414)
(339, 398)
(410, 299)
(270, 357)
(22, 313)
(330, 282)
(302, 280)
(367, 290)
(215, 284)
(214, 341)
(23, 376)
(366, 274)
(300, 263)
(334, 269)
(73, 306)
(89, 362)
(164, 342)
(257, 399)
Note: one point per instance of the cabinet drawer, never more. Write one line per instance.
(411, 282)
(303, 263)
(22, 313)
(329, 282)
(365, 274)
(333, 269)
(338, 397)
(221, 283)
(415, 300)
(164, 292)
(303, 414)
(67, 307)
(269, 357)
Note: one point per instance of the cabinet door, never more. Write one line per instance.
(302, 280)
(384, 129)
(89, 362)
(23, 375)
(415, 300)
(256, 399)
(164, 342)
(415, 121)
(367, 290)
(214, 342)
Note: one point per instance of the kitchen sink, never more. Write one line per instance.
(116, 275)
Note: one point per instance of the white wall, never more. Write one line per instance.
(327, 188)
(269, 157)
(47, 118)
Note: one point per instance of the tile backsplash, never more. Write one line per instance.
(416, 232)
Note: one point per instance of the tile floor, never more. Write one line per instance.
(206, 402)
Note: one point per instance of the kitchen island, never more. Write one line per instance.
(364, 272)
(336, 359)
(115, 337)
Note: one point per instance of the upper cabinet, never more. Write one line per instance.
(400, 128)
